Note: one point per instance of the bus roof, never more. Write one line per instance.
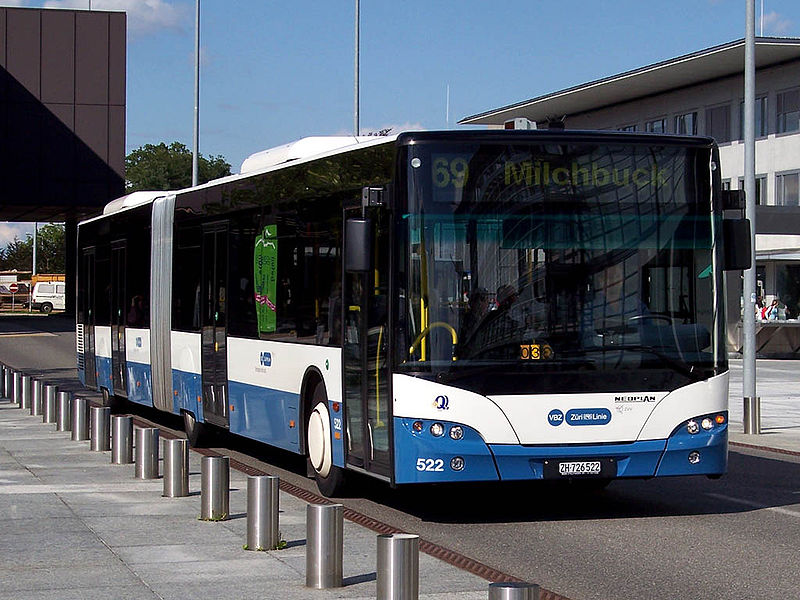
(131, 200)
(302, 148)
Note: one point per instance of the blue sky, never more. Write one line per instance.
(273, 72)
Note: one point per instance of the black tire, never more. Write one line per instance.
(46, 308)
(330, 478)
(196, 433)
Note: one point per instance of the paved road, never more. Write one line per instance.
(687, 538)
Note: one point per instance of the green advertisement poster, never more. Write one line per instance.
(265, 278)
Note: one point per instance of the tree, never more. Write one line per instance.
(18, 254)
(162, 167)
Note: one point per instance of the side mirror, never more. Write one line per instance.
(733, 200)
(736, 241)
(358, 245)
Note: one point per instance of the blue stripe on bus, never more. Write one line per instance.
(711, 445)
(189, 388)
(264, 414)
(636, 459)
(103, 368)
(419, 457)
(337, 425)
(140, 387)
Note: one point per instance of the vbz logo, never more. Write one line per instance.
(266, 359)
(555, 417)
(442, 403)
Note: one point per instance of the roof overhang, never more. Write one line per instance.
(691, 69)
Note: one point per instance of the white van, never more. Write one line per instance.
(48, 295)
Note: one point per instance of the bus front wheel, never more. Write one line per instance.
(329, 477)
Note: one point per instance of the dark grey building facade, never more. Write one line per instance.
(62, 112)
(62, 116)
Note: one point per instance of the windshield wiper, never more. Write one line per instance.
(676, 365)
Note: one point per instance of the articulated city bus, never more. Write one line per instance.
(430, 307)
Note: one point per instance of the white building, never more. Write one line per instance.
(703, 93)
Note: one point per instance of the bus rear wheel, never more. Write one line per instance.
(330, 478)
(196, 433)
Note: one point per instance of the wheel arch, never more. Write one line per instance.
(311, 379)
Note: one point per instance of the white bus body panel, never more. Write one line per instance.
(285, 366)
(703, 397)
(137, 345)
(416, 398)
(525, 418)
(185, 352)
(102, 341)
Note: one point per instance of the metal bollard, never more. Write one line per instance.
(513, 591)
(8, 381)
(49, 405)
(100, 429)
(16, 387)
(80, 419)
(263, 500)
(146, 452)
(3, 381)
(64, 412)
(398, 567)
(215, 488)
(37, 397)
(752, 415)
(176, 468)
(121, 440)
(25, 392)
(324, 545)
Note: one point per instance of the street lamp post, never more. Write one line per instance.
(196, 136)
(356, 125)
(752, 403)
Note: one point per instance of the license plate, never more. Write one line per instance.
(600, 467)
(589, 467)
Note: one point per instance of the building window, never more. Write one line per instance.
(629, 128)
(718, 123)
(761, 188)
(787, 189)
(761, 118)
(657, 126)
(788, 111)
(686, 124)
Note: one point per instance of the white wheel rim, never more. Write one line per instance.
(319, 448)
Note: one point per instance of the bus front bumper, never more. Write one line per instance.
(421, 457)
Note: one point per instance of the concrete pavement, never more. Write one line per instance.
(778, 386)
(76, 526)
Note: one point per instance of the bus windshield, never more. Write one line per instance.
(546, 259)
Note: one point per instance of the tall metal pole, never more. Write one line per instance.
(35, 236)
(356, 127)
(752, 403)
(196, 137)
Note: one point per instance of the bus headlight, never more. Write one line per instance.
(707, 423)
(694, 457)
(457, 463)
(692, 427)
(437, 430)
(456, 432)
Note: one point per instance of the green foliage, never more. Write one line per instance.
(162, 167)
(18, 254)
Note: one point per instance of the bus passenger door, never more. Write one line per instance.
(214, 303)
(365, 343)
(118, 316)
(88, 309)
